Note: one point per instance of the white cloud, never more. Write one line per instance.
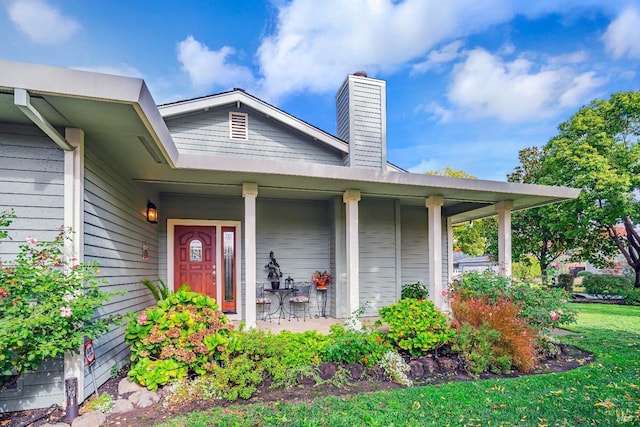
(621, 38)
(438, 112)
(315, 46)
(207, 68)
(486, 86)
(41, 22)
(435, 58)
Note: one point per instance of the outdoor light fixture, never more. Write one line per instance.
(152, 213)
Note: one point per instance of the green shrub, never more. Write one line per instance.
(348, 345)
(416, 290)
(159, 291)
(475, 346)
(541, 308)
(631, 296)
(584, 273)
(565, 281)
(606, 284)
(415, 326)
(183, 334)
(47, 304)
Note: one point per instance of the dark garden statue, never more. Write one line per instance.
(274, 274)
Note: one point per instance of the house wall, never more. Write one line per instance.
(208, 133)
(115, 230)
(377, 237)
(32, 183)
(415, 245)
(299, 233)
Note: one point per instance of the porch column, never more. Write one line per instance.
(351, 199)
(434, 206)
(249, 193)
(74, 219)
(504, 237)
(445, 302)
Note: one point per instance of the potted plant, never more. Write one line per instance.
(321, 279)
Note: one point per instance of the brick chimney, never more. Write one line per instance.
(361, 110)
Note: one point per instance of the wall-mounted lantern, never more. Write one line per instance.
(152, 213)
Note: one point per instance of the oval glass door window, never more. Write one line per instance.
(195, 249)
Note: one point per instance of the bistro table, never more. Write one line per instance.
(282, 293)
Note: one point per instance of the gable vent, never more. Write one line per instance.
(239, 126)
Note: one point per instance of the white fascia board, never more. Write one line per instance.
(64, 82)
(312, 170)
(214, 101)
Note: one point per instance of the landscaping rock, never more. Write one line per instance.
(356, 371)
(429, 365)
(447, 364)
(121, 405)
(306, 380)
(127, 386)
(147, 398)
(55, 425)
(90, 419)
(417, 370)
(327, 370)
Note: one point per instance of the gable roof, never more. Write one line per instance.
(240, 97)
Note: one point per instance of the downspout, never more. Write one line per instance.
(22, 100)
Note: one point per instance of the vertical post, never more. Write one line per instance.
(74, 219)
(351, 199)
(445, 303)
(504, 237)
(434, 207)
(249, 193)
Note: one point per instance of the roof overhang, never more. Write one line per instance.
(121, 120)
(119, 111)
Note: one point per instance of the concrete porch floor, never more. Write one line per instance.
(320, 324)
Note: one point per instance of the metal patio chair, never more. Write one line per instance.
(301, 298)
(262, 301)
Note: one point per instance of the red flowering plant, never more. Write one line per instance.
(48, 304)
(321, 279)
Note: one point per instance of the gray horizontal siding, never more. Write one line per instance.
(298, 232)
(415, 245)
(208, 132)
(32, 183)
(377, 237)
(114, 231)
(38, 389)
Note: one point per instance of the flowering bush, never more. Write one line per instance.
(540, 307)
(48, 306)
(321, 278)
(185, 333)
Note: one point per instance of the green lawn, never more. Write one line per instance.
(605, 392)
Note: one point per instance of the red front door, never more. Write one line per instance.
(195, 258)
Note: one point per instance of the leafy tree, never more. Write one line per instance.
(597, 151)
(542, 232)
(473, 238)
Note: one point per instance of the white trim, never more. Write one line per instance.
(504, 237)
(74, 219)
(351, 198)
(171, 223)
(434, 207)
(250, 193)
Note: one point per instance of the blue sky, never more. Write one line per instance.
(469, 83)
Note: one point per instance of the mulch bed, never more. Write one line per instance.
(433, 370)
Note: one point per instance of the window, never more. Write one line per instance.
(195, 249)
(238, 126)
